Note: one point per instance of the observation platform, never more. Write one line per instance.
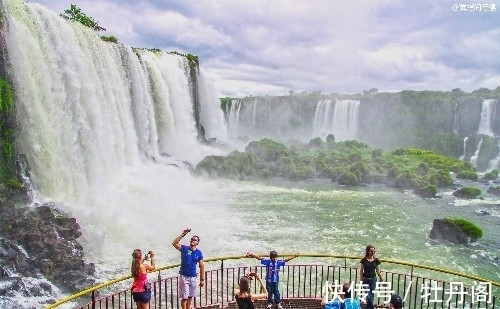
(302, 285)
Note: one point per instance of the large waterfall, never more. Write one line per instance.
(110, 133)
(339, 118)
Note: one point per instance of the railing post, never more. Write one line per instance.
(222, 283)
(159, 290)
(93, 299)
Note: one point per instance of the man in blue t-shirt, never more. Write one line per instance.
(190, 256)
(272, 276)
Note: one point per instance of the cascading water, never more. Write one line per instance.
(339, 118)
(488, 110)
(108, 134)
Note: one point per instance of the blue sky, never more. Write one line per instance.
(262, 47)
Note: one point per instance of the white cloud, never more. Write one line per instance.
(263, 47)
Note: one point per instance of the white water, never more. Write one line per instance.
(339, 118)
(97, 124)
(486, 128)
(487, 112)
(109, 134)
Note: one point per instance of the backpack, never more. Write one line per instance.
(350, 303)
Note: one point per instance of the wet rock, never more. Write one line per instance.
(444, 230)
(40, 239)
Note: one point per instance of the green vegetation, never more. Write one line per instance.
(467, 192)
(109, 38)
(493, 175)
(7, 165)
(470, 228)
(349, 163)
(76, 14)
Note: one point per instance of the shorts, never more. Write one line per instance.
(142, 297)
(187, 287)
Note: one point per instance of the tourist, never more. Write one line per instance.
(242, 294)
(272, 275)
(335, 302)
(340, 300)
(368, 272)
(396, 302)
(141, 288)
(348, 301)
(190, 256)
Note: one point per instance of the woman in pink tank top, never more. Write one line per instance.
(141, 288)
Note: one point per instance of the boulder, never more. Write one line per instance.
(445, 230)
(39, 239)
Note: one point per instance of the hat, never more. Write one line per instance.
(396, 301)
(273, 254)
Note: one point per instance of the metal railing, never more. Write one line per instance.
(420, 286)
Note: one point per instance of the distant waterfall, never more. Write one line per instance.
(474, 157)
(233, 114)
(487, 113)
(339, 118)
(465, 148)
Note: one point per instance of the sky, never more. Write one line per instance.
(263, 47)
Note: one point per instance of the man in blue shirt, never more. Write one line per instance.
(272, 276)
(190, 256)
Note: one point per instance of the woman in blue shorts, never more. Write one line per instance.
(141, 288)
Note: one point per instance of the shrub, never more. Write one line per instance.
(109, 38)
(76, 14)
(348, 179)
(427, 191)
(468, 227)
(315, 143)
(467, 175)
(493, 175)
(441, 179)
(467, 192)
(267, 150)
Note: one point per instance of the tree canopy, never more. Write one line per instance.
(76, 14)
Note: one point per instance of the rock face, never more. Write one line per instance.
(444, 230)
(38, 240)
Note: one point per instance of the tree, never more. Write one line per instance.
(76, 14)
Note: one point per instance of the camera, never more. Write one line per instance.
(252, 274)
(147, 255)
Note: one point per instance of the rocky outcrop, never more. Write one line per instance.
(445, 230)
(39, 240)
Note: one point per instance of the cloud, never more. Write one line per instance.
(263, 47)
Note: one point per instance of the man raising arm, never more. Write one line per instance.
(190, 256)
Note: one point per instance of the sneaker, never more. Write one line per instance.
(279, 306)
(269, 306)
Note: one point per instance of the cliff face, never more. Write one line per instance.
(453, 123)
(39, 240)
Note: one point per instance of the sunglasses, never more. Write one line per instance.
(195, 239)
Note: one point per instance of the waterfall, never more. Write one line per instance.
(108, 132)
(487, 112)
(486, 122)
(473, 158)
(233, 115)
(339, 118)
(455, 119)
(465, 148)
(211, 117)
